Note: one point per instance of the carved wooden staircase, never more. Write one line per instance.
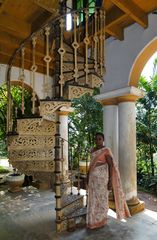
(31, 148)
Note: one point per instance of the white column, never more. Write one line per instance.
(63, 118)
(110, 123)
(125, 98)
(127, 148)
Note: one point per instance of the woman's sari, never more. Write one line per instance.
(97, 203)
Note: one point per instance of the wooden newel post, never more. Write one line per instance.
(58, 175)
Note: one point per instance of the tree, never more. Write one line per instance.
(147, 125)
(16, 92)
(84, 122)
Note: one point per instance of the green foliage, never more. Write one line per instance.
(148, 183)
(147, 131)
(3, 170)
(84, 122)
(16, 92)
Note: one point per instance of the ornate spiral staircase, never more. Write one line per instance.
(78, 66)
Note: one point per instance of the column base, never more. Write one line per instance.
(134, 204)
(111, 201)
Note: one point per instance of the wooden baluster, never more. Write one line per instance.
(87, 42)
(21, 78)
(96, 42)
(75, 45)
(104, 40)
(47, 59)
(92, 40)
(33, 69)
(61, 51)
(101, 42)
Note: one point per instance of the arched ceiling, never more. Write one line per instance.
(18, 19)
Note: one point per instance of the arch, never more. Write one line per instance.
(140, 62)
(26, 86)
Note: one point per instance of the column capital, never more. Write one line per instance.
(64, 111)
(128, 94)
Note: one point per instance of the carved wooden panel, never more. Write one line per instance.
(31, 154)
(95, 81)
(47, 108)
(35, 126)
(30, 142)
(33, 166)
(77, 91)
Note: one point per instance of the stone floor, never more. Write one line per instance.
(30, 215)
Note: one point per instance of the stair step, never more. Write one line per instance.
(78, 213)
(20, 142)
(70, 203)
(31, 154)
(35, 126)
(75, 219)
(69, 67)
(29, 167)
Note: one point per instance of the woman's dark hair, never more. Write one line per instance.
(100, 134)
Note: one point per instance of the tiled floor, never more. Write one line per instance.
(30, 215)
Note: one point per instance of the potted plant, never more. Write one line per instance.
(15, 181)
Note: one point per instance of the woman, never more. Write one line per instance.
(103, 176)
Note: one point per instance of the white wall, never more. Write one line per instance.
(39, 82)
(120, 55)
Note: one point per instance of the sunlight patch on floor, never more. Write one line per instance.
(151, 214)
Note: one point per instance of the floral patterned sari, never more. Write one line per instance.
(97, 205)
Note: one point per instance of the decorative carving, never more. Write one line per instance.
(35, 126)
(95, 81)
(31, 154)
(77, 92)
(49, 107)
(30, 142)
(32, 167)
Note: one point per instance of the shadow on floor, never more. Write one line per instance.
(30, 215)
